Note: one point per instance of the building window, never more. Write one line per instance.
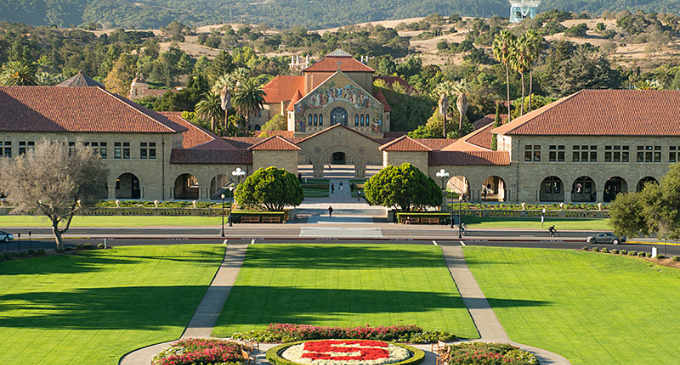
(368, 119)
(556, 153)
(121, 150)
(26, 146)
(361, 123)
(648, 153)
(584, 154)
(316, 119)
(309, 121)
(102, 150)
(5, 148)
(673, 155)
(98, 147)
(320, 119)
(532, 152)
(356, 120)
(616, 154)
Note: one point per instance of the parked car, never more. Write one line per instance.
(606, 237)
(5, 236)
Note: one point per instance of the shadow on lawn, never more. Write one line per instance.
(339, 257)
(261, 305)
(136, 307)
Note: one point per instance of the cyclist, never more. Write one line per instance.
(552, 231)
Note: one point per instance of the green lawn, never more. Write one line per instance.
(113, 221)
(345, 285)
(315, 193)
(93, 307)
(597, 224)
(590, 307)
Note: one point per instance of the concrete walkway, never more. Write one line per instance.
(488, 325)
(207, 312)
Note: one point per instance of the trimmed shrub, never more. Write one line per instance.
(100, 245)
(623, 252)
(605, 250)
(585, 248)
(287, 332)
(642, 254)
(596, 249)
(199, 351)
(40, 252)
(660, 257)
(675, 258)
(615, 251)
(632, 253)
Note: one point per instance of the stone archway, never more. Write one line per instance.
(127, 187)
(645, 180)
(493, 189)
(614, 186)
(583, 190)
(186, 187)
(338, 158)
(552, 190)
(339, 115)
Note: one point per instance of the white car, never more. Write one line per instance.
(5, 236)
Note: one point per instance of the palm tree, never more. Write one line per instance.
(15, 73)
(534, 42)
(210, 107)
(520, 62)
(248, 99)
(461, 88)
(502, 51)
(444, 92)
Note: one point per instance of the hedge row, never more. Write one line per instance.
(12, 254)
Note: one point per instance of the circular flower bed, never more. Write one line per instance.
(199, 351)
(344, 352)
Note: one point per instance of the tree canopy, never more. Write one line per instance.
(404, 187)
(56, 180)
(271, 188)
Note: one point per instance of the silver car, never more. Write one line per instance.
(606, 237)
(5, 236)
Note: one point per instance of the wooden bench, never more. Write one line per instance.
(429, 220)
(250, 219)
(271, 219)
(410, 220)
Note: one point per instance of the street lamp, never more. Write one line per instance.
(238, 173)
(231, 190)
(222, 196)
(460, 216)
(442, 174)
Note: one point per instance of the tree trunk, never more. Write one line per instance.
(531, 86)
(226, 123)
(521, 110)
(460, 125)
(57, 236)
(444, 126)
(507, 87)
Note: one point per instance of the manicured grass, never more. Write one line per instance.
(93, 307)
(590, 307)
(344, 285)
(113, 221)
(310, 180)
(315, 193)
(597, 224)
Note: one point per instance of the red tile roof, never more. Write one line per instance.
(436, 144)
(295, 99)
(197, 137)
(381, 98)
(479, 140)
(405, 144)
(282, 88)
(76, 109)
(275, 143)
(80, 80)
(330, 64)
(469, 158)
(200, 156)
(488, 119)
(603, 113)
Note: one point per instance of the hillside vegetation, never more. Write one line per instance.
(279, 13)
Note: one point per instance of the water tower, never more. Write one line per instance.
(520, 9)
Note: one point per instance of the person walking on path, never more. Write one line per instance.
(332, 188)
(340, 185)
(330, 212)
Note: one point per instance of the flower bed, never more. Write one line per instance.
(287, 332)
(490, 354)
(199, 351)
(344, 352)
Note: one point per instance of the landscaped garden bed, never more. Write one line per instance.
(193, 351)
(344, 352)
(481, 353)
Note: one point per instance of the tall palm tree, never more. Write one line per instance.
(210, 107)
(15, 73)
(443, 89)
(534, 42)
(520, 62)
(461, 88)
(502, 51)
(248, 99)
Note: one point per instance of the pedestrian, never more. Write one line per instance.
(299, 177)
(340, 185)
(330, 211)
(332, 188)
(329, 167)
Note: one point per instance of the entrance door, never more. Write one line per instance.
(339, 116)
(338, 158)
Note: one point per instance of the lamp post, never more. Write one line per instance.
(222, 196)
(460, 216)
(442, 174)
(231, 191)
(237, 174)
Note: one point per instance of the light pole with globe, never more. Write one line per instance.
(442, 174)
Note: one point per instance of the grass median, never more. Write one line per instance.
(345, 285)
(592, 308)
(113, 221)
(595, 224)
(93, 307)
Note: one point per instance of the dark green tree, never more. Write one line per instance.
(403, 187)
(496, 124)
(271, 188)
